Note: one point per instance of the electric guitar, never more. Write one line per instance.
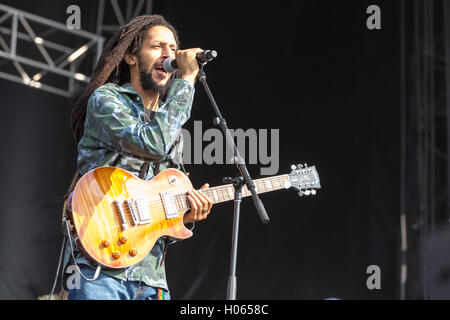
(116, 218)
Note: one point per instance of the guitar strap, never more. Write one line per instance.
(144, 169)
(66, 228)
(75, 179)
(65, 231)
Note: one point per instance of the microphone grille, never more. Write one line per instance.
(210, 54)
(213, 54)
(167, 65)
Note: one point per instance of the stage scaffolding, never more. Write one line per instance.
(40, 51)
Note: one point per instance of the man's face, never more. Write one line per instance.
(159, 44)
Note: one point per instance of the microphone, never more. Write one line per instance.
(170, 65)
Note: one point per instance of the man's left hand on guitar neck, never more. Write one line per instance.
(200, 205)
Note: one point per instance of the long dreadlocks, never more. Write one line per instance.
(111, 64)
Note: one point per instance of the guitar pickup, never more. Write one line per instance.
(133, 212)
(142, 211)
(170, 207)
(139, 212)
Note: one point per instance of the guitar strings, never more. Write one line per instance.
(219, 193)
(181, 198)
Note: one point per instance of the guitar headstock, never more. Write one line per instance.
(305, 179)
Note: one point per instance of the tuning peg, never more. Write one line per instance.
(306, 165)
(300, 193)
(313, 192)
(307, 192)
(293, 167)
(299, 166)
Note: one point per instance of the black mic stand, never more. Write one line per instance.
(238, 183)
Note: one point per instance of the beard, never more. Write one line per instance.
(148, 83)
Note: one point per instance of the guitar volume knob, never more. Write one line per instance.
(116, 255)
(105, 243)
(123, 239)
(133, 252)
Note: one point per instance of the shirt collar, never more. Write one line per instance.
(128, 88)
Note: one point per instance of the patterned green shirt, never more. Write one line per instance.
(118, 132)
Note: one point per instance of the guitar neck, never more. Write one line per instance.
(226, 192)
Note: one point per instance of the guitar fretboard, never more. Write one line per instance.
(226, 192)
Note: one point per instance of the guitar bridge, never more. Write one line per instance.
(170, 207)
(119, 209)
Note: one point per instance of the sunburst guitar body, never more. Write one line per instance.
(118, 217)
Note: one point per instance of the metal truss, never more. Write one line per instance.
(122, 15)
(65, 64)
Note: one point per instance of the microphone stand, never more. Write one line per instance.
(238, 183)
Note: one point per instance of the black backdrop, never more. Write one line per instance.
(311, 69)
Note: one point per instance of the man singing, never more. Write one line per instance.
(136, 125)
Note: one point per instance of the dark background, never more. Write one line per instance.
(311, 69)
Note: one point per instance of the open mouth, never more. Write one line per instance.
(160, 70)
